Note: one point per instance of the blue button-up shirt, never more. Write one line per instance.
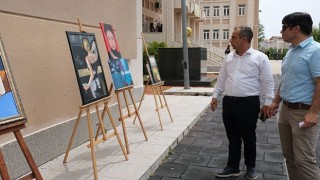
(300, 67)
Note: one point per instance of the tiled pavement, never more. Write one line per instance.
(204, 151)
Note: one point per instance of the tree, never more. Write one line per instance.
(261, 35)
(152, 50)
(316, 33)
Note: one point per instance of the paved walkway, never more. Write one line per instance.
(204, 151)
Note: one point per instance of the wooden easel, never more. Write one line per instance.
(35, 173)
(96, 141)
(157, 91)
(129, 114)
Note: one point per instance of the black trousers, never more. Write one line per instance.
(240, 115)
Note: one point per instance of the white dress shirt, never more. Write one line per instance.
(246, 75)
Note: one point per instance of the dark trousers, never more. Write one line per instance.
(240, 115)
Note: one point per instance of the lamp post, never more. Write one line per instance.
(185, 62)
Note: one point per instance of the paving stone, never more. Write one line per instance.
(269, 167)
(192, 159)
(185, 148)
(261, 139)
(208, 142)
(188, 140)
(197, 127)
(171, 157)
(274, 157)
(217, 152)
(274, 141)
(274, 177)
(218, 162)
(200, 134)
(269, 147)
(170, 170)
(193, 172)
(154, 178)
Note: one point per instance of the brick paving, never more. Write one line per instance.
(204, 151)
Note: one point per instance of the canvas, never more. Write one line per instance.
(11, 110)
(120, 73)
(155, 75)
(110, 40)
(119, 68)
(87, 65)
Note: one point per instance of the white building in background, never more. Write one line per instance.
(275, 42)
(221, 16)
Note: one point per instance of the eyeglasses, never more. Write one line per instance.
(285, 26)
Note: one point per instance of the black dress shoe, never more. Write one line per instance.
(251, 173)
(228, 172)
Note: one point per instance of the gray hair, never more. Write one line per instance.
(245, 31)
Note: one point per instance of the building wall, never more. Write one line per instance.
(222, 22)
(34, 36)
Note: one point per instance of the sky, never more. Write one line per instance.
(272, 12)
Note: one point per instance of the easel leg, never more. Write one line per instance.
(123, 125)
(158, 93)
(3, 168)
(72, 136)
(101, 125)
(116, 132)
(166, 104)
(138, 114)
(92, 145)
(126, 101)
(27, 154)
(142, 97)
(155, 100)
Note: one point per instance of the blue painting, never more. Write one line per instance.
(120, 73)
(11, 110)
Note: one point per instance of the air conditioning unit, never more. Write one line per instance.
(158, 5)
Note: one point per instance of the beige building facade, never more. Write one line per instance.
(221, 16)
(168, 15)
(34, 36)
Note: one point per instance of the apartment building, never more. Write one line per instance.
(221, 16)
(162, 20)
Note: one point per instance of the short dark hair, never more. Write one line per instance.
(302, 19)
(245, 31)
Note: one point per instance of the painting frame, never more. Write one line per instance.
(88, 67)
(154, 70)
(11, 109)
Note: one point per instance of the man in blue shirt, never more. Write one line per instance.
(299, 92)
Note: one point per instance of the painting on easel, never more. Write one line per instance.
(11, 110)
(119, 68)
(154, 71)
(88, 68)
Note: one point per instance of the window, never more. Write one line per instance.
(226, 10)
(215, 34)
(215, 11)
(225, 34)
(242, 9)
(205, 34)
(207, 11)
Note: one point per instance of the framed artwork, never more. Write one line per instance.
(87, 65)
(110, 40)
(11, 110)
(154, 75)
(120, 73)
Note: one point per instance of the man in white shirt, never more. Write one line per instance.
(244, 76)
